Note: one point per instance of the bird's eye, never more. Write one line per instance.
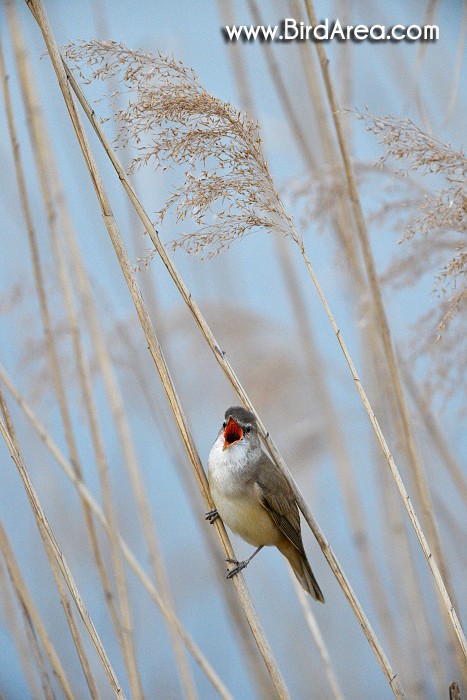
(248, 428)
(224, 424)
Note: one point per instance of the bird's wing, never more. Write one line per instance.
(278, 499)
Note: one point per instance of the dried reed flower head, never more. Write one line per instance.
(430, 214)
(435, 231)
(317, 197)
(227, 190)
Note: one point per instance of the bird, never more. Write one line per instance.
(253, 497)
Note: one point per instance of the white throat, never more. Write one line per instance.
(230, 465)
(233, 457)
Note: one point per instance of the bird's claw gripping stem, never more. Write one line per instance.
(239, 565)
(212, 515)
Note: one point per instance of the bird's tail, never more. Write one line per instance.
(302, 570)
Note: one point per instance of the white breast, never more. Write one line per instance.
(232, 492)
(226, 468)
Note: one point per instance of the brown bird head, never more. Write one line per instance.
(238, 424)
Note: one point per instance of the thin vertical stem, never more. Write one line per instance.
(423, 491)
(20, 636)
(434, 431)
(34, 623)
(358, 287)
(44, 527)
(395, 472)
(337, 443)
(83, 371)
(279, 84)
(128, 451)
(383, 325)
(49, 336)
(318, 638)
(56, 574)
(55, 198)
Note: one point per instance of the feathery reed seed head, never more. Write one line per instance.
(171, 120)
(436, 232)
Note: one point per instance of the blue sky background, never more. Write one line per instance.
(243, 296)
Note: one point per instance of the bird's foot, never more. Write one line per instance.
(212, 515)
(239, 565)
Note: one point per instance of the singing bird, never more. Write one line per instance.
(254, 498)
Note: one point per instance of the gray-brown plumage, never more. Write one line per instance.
(253, 497)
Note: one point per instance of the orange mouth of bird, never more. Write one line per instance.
(232, 433)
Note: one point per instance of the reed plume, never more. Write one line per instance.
(171, 120)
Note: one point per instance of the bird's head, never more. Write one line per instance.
(239, 426)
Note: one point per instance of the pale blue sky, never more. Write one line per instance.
(248, 279)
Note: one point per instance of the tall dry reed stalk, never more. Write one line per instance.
(24, 637)
(52, 349)
(381, 317)
(123, 620)
(61, 588)
(50, 541)
(36, 629)
(334, 434)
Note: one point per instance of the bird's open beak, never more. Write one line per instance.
(232, 433)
